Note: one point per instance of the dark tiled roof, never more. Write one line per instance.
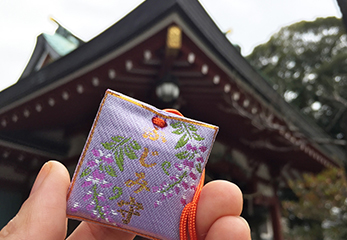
(137, 22)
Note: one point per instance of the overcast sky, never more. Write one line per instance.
(252, 22)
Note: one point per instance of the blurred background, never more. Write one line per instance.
(270, 74)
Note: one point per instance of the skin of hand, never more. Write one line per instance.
(43, 214)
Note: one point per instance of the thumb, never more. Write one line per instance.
(43, 214)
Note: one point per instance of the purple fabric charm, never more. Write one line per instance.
(135, 175)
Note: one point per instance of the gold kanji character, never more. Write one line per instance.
(143, 158)
(139, 181)
(133, 206)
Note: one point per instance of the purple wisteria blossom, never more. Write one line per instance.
(95, 180)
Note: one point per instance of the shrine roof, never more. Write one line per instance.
(50, 47)
(136, 23)
(60, 44)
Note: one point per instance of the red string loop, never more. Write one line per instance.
(159, 122)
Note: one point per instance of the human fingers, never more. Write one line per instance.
(90, 231)
(229, 227)
(217, 199)
(43, 214)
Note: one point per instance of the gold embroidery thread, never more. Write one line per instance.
(138, 181)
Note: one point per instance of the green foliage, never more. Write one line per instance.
(119, 193)
(198, 167)
(119, 158)
(306, 64)
(86, 172)
(182, 141)
(183, 155)
(322, 206)
(110, 171)
(122, 146)
(165, 166)
(189, 131)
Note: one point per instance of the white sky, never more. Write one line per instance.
(252, 22)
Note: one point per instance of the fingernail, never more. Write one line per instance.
(41, 176)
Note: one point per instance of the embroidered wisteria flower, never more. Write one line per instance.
(189, 164)
(194, 153)
(106, 213)
(98, 153)
(196, 149)
(191, 151)
(101, 162)
(178, 184)
(96, 178)
(75, 208)
(165, 194)
(97, 211)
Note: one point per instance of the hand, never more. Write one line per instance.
(43, 214)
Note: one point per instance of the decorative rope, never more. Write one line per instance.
(188, 215)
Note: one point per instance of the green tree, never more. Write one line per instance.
(321, 211)
(306, 63)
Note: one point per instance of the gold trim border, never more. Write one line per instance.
(157, 113)
(111, 226)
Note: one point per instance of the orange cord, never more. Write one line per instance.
(173, 111)
(188, 216)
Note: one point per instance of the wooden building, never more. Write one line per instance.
(169, 54)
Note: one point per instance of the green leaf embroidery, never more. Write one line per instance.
(110, 171)
(86, 172)
(135, 145)
(188, 131)
(123, 142)
(107, 145)
(182, 155)
(197, 137)
(165, 166)
(100, 168)
(192, 128)
(178, 131)
(117, 138)
(185, 155)
(122, 146)
(176, 124)
(182, 141)
(96, 200)
(198, 167)
(129, 152)
(175, 183)
(119, 193)
(119, 157)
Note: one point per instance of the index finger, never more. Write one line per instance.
(217, 199)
